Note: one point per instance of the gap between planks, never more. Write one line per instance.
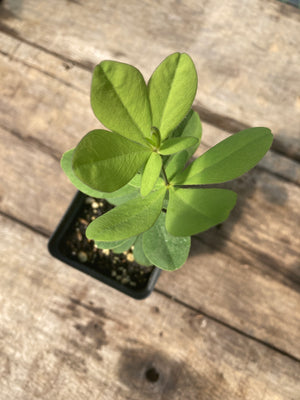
(227, 325)
(208, 239)
(47, 205)
(46, 234)
(287, 167)
(220, 121)
(172, 298)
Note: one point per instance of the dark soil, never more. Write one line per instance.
(120, 267)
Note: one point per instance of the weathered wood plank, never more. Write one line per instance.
(233, 291)
(247, 61)
(33, 188)
(41, 107)
(37, 91)
(72, 337)
(50, 98)
(265, 221)
(264, 233)
(30, 73)
(40, 196)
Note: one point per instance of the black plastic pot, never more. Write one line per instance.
(99, 268)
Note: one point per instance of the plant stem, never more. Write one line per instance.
(165, 175)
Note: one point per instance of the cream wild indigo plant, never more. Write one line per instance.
(139, 163)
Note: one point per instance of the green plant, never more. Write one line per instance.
(139, 165)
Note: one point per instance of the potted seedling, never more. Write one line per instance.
(141, 167)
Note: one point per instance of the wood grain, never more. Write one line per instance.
(233, 291)
(30, 72)
(60, 113)
(43, 194)
(258, 191)
(225, 326)
(247, 60)
(73, 337)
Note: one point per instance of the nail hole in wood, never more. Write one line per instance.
(152, 375)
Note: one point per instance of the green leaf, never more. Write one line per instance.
(122, 195)
(124, 246)
(164, 250)
(151, 173)
(107, 161)
(66, 164)
(128, 219)
(136, 181)
(118, 197)
(166, 201)
(155, 137)
(172, 89)
(176, 164)
(174, 145)
(228, 159)
(118, 246)
(138, 252)
(190, 126)
(192, 211)
(120, 101)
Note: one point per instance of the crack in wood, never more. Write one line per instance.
(34, 228)
(220, 121)
(87, 65)
(227, 325)
(288, 278)
(32, 141)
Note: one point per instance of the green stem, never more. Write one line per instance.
(165, 175)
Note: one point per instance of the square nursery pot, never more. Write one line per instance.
(70, 245)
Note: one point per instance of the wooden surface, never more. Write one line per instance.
(225, 326)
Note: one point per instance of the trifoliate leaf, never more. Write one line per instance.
(190, 126)
(120, 101)
(117, 246)
(151, 173)
(191, 211)
(129, 219)
(106, 161)
(174, 145)
(66, 164)
(228, 159)
(172, 89)
(163, 249)
(138, 252)
(176, 163)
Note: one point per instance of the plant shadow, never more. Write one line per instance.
(7, 12)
